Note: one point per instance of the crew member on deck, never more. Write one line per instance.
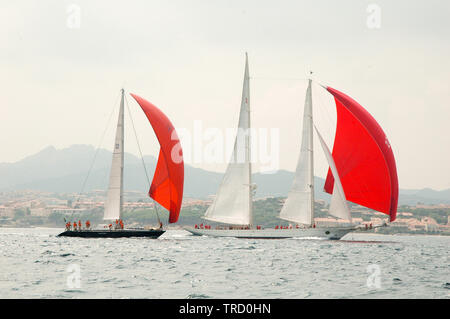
(88, 224)
(79, 224)
(74, 225)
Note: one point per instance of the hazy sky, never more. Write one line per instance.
(60, 82)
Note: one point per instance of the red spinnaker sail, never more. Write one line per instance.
(167, 184)
(363, 158)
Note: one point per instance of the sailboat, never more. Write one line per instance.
(167, 184)
(361, 170)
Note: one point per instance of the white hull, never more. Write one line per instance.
(320, 232)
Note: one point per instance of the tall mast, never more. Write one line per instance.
(114, 199)
(246, 94)
(122, 129)
(311, 153)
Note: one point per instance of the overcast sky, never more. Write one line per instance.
(60, 80)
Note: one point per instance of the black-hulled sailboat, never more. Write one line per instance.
(167, 184)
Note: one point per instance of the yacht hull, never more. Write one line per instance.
(333, 233)
(122, 233)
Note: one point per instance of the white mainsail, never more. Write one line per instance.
(113, 204)
(338, 206)
(299, 205)
(233, 201)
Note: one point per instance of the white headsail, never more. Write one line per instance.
(233, 201)
(113, 204)
(338, 206)
(299, 205)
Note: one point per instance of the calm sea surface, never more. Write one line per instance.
(34, 263)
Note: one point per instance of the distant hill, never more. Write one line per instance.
(425, 196)
(65, 170)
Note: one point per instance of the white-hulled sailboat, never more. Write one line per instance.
(358, 137)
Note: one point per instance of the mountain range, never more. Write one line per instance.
(65, 171)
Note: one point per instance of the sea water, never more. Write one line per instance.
(34, 263)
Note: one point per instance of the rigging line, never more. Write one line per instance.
(142, 158)
(325, 114)
(275, 78)
(96, 153)
(328, 129)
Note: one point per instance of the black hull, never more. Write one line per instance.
(123, 233)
